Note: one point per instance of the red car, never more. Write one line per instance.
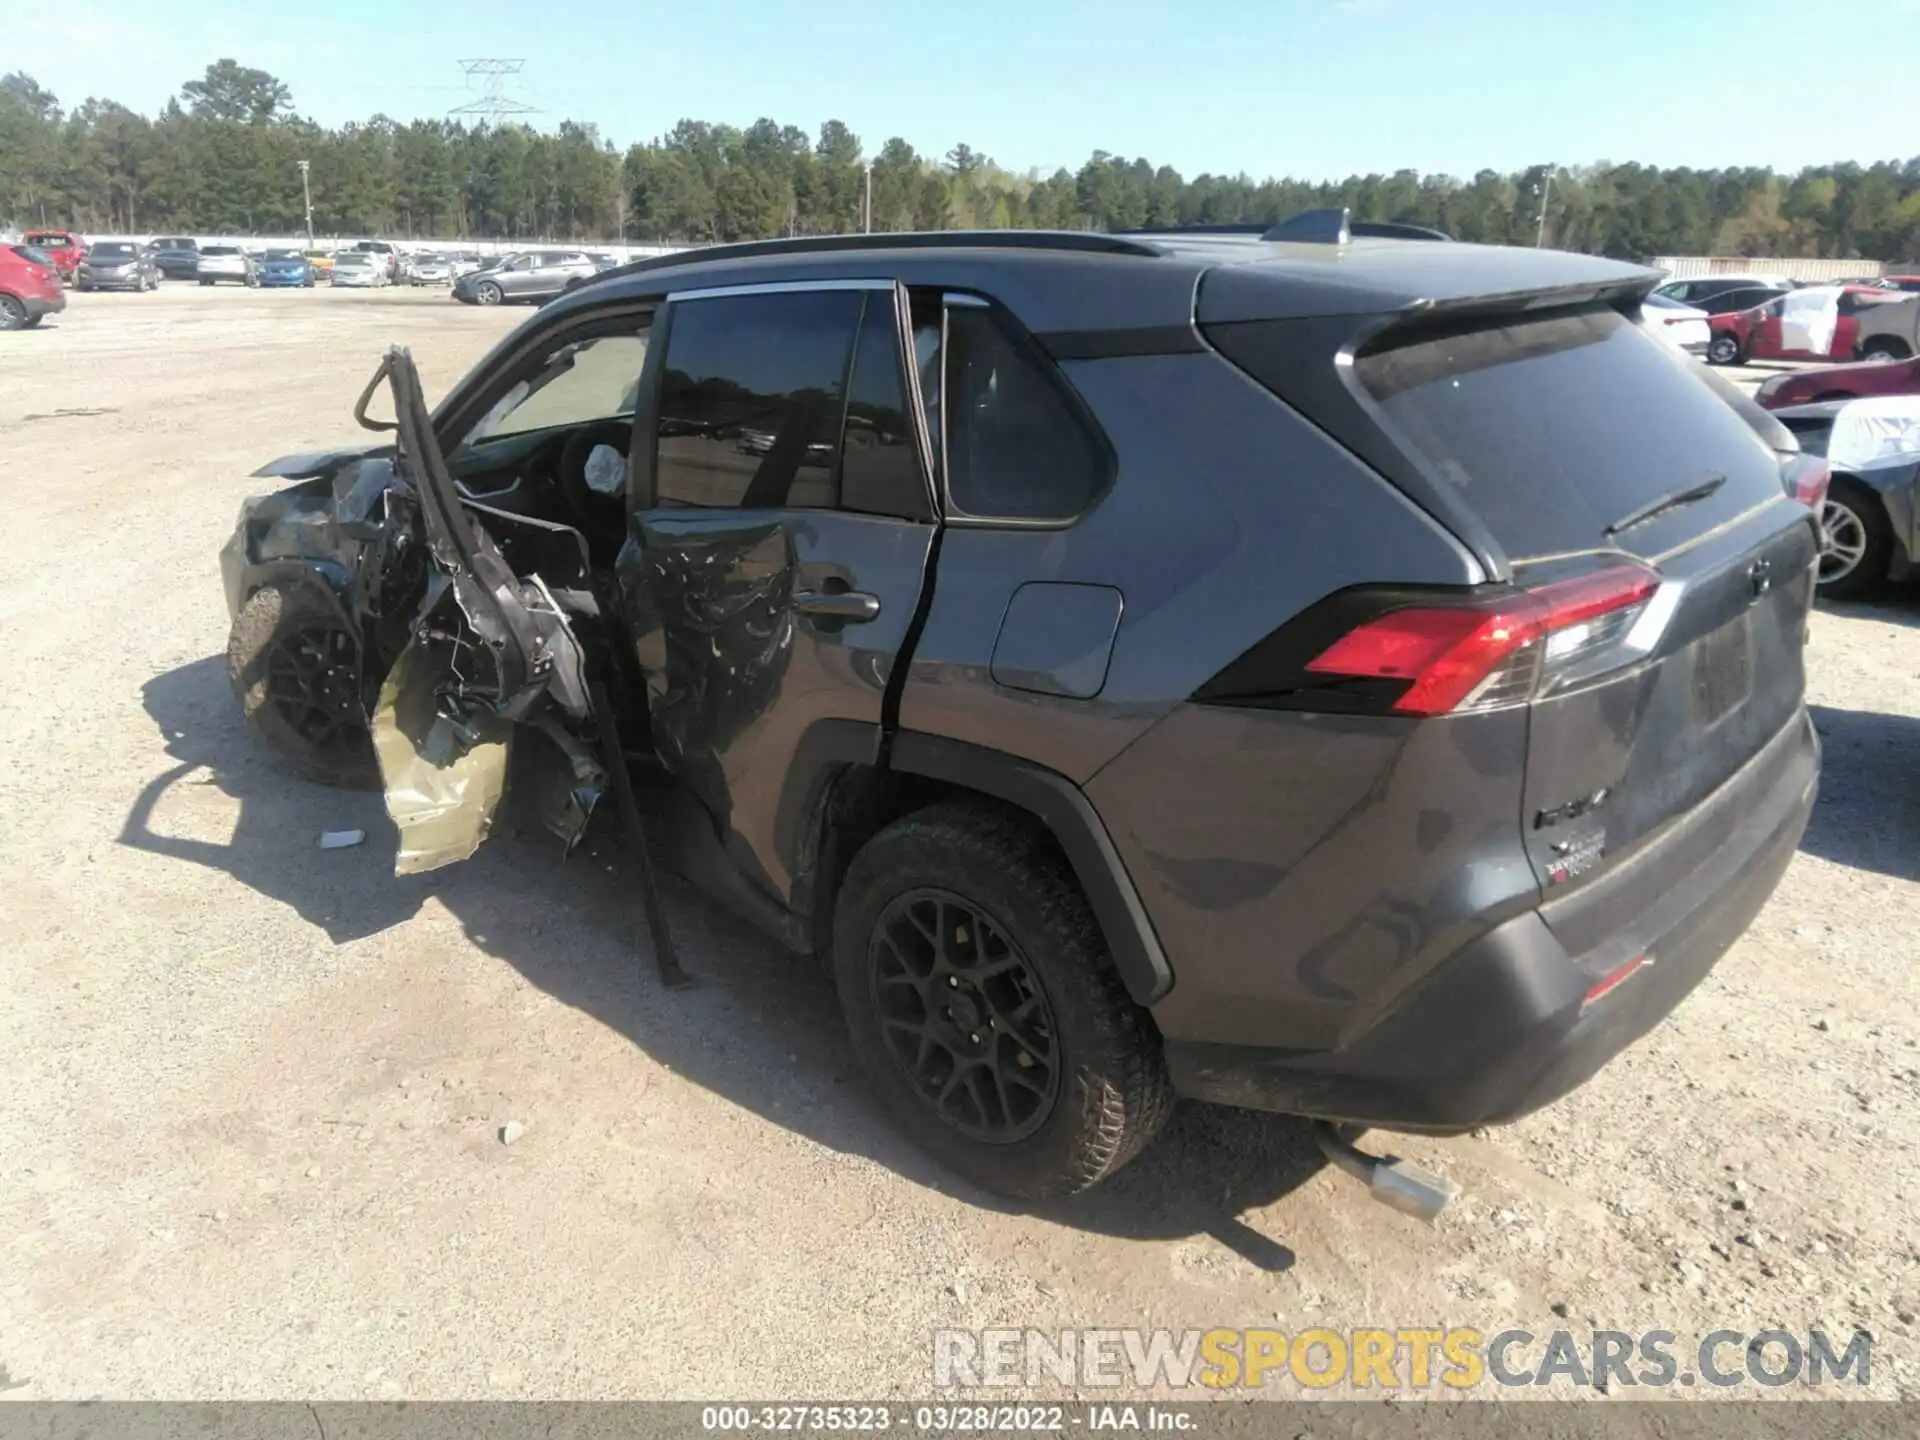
(29, 287)
(1841, 382)
(63, 247)
(1763, 333)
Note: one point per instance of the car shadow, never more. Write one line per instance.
(759, 1026)
(1897, 604)
(1868, 814)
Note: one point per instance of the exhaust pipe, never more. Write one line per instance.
(1396, 1183)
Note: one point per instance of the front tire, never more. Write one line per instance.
(984, 1007)
(1857, 543)
(487, 293)
(296, 672)
(1723, 350)
(1883, 352)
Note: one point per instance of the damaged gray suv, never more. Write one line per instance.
(1349, 676)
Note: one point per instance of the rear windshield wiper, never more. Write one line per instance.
(1672, 500)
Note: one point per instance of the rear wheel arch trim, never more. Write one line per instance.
(1060, 806)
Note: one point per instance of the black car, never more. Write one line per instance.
(117, 265)
(178, 256)
(1141, 666)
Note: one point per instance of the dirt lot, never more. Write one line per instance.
(253, 1089)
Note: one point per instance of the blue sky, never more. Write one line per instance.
(1310, 88)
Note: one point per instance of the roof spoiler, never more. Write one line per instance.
(1336, 226)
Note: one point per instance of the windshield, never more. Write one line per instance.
(285, 255)
(595, 379)
(220, 251)
(115, 251)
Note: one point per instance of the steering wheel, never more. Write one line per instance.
(600, 512)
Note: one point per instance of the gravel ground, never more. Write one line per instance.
(255, 1091)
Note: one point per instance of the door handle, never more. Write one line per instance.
(837, 604)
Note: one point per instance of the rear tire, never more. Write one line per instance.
(1858, 543)
(1031, 1071)
(1723, 350)
(13, 313)
(1884, 352)
(295, 670)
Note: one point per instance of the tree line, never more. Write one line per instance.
(224, 157)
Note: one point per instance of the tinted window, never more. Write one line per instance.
(115, 251)
(220, 250)
(1016, 448)
(751, 399)
(880, 464)
(1554, 428)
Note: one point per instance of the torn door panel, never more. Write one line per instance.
(492, 645)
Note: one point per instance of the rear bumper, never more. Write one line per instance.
(1500, 1029)
(38, 305)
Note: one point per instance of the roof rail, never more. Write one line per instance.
(1336, 226)
(892, 240)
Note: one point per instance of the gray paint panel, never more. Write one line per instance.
(1057, 639)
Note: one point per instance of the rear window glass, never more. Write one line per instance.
(1555, 428)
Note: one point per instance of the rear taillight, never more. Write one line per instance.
(1806, 478)
(1486, 655)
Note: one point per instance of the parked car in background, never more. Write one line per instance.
(531, 275)
(226, 262)
(1461, 732)
(286, 269)
(178, 256)
(1680, 325)
(1840, 382)
(358, 268)
(65, 248)
(1697, 292)
(1890, 330)
(117, 265)
(1820, 322)
(428, 267)
(465, 262)
(321, 261)
(386, 252)
(1871, 516)
(30, 288)
(1743, 297)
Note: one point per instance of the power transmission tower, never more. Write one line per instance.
(493, 102)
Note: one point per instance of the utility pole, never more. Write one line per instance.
(306, 194)
(1546, 194)
(866, 204)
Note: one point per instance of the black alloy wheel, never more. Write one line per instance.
(964, 1016)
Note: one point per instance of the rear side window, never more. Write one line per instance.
(879, 456)
(1555, 428)
(1017, 447)
(751, 398)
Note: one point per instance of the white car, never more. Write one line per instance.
(226, 262)
(465, 262)
(1680, 325)
(358, 267)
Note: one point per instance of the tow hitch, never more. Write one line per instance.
(1394, 1182)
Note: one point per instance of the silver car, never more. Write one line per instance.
(428, 268)
(531, 275)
